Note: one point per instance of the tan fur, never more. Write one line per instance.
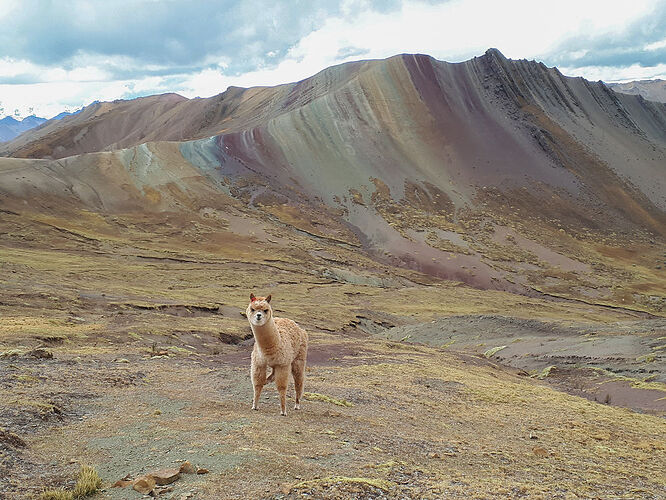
(279, 344)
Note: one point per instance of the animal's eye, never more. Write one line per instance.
(265, 310)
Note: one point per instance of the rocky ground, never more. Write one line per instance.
(393, 421)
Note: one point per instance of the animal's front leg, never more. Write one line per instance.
(258, 375)
(281, 380)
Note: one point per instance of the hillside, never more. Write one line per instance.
(477, 251)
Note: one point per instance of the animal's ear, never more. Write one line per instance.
(252, 297)
(268, 299)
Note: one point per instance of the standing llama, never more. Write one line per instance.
(280, 344)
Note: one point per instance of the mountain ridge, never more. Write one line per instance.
(438, 167)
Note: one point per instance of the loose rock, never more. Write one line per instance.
(165, 476)
(187, 468)
(144, 484)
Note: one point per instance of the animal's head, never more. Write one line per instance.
(259, 310)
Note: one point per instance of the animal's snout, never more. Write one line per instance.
(258, 315)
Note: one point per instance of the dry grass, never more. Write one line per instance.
(341, 480)
(313, 396)
(87, 483)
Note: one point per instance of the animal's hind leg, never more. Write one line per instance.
(298, 371)
(258, 375)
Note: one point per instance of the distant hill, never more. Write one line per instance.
(64, 114)
(10, 127)
(652, 90)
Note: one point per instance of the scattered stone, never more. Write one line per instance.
(202, 470)
(122, 360)
(285, 488)
(157, 412)
(121, 483)
(540, 452)
(533, 436)
(144, 484)
(165, 476)
(187, 468)
(432, 454)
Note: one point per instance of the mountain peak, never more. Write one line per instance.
(493, 52)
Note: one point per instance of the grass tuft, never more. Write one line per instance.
(10, 353)
(60, 494)
(647, 358)
(545, 372)
(330, 481)
(315, 396)
(493, 351)
(87, 483)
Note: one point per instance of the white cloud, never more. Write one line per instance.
(656, 45)
(70, 95)
(613, 74)
(452, 31)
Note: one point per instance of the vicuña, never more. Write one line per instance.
(279, 344)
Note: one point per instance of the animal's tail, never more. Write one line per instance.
(271, 377)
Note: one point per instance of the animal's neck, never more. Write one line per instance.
(267, 336)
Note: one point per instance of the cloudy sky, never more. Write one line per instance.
(57, 56)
